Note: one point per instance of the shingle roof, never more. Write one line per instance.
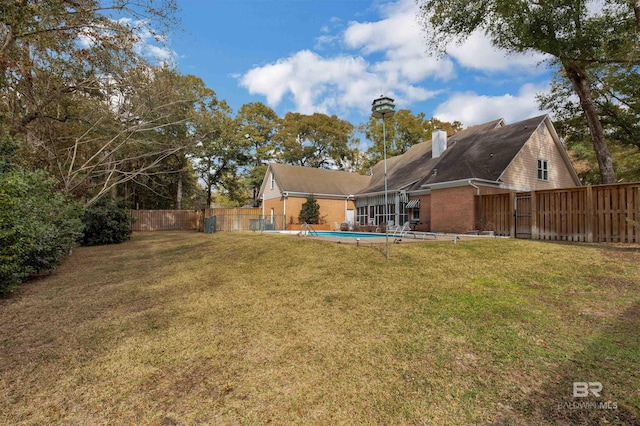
(309, 180)
(403, 170)
(483, 154)
(479, 152)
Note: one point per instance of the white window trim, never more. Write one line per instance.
(543, 170)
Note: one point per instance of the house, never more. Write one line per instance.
(433, 185)
(285, 188)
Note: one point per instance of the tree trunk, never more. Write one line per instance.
(209, 186)
(581, 85)
(209, 183)
(179, 192)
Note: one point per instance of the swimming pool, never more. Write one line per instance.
(344, 234)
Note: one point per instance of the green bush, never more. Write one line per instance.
(38, 226)
(310, 211)
(106, 222)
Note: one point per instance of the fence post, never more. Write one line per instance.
(477, 205)
(534, 216)
(589, 214)
(512, 214)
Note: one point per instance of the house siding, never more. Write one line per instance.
(269, 193)
(523, 171)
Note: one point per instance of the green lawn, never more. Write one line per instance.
(185, 328)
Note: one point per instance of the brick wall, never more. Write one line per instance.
(453, 209)
(330, 210)
(425, 213)
(275, 203)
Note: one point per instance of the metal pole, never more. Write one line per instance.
(386, 202)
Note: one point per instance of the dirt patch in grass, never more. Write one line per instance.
(186, 328)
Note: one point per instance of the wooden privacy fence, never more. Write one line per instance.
(165, 220)
(602, 213)
(180, 220)
(244, 222)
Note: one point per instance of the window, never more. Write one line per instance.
(543, 170)
(415, 214)
(403, 214)
(380, 213)
(361, 217)
(376, 214)
(272, 182)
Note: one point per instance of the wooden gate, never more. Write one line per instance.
(523, 215)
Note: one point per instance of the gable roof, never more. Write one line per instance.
(309, 180)
(478, 152)
(481, 152)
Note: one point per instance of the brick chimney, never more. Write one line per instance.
(438, 142)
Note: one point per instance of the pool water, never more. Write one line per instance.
(343, 234)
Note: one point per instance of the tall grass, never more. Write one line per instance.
(187, 328)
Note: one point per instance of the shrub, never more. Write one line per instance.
(310, 211)
(106, 222)
(38, 225)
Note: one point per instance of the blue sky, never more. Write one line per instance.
(336, 56)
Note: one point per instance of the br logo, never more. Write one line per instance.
(582, 389)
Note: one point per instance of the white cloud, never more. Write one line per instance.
(152, 47)
(477, 53)
(313, 82)
(399, 37)
(327, 84)
(148, 44)
(471, 108)
(388, 56)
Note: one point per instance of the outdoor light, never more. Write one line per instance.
(384, 107)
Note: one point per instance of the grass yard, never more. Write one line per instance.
(240, 328)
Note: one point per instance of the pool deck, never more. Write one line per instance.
(410, 237)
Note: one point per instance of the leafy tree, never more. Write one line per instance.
(219, 153)
(310, 211)
(64, 68)
(257, 125)
(617, 100)
(174, 103)
(575, 38)
(317, 140)
(403, 130)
